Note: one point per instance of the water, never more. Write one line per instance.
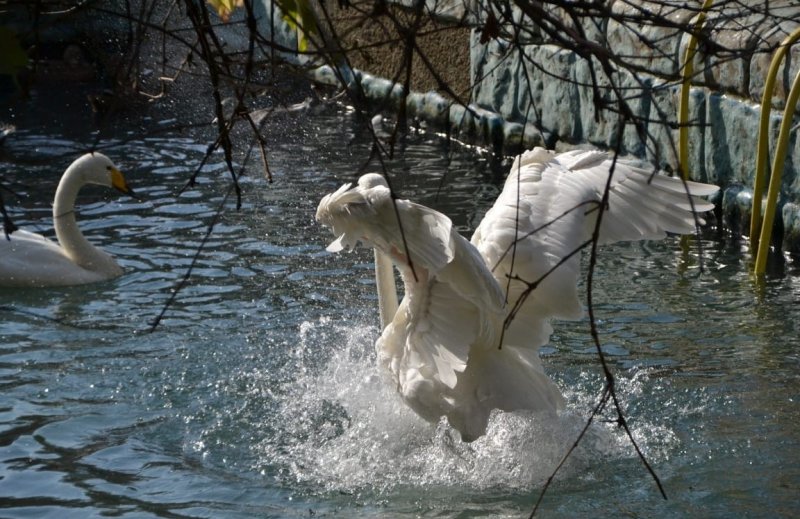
(258, 396)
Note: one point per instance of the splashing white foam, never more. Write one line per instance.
(340, 425)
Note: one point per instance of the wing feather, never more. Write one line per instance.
(547, 212)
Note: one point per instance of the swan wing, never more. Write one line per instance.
(443, 348)
(29, 260)
(532, 236)
(452, 313)
(642, 204)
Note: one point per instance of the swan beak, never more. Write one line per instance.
(336, 245)
(119, 183)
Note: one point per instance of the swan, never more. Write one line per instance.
(30, 260)
(445, 346)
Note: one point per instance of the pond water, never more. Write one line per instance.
(258, 395)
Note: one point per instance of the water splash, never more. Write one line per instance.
(341, 426)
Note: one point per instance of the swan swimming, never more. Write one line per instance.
(30, 260)
(442, 344)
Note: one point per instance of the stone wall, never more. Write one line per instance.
(375, 46)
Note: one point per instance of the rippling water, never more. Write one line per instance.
(257, 396)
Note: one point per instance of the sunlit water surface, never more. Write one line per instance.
(258, 395)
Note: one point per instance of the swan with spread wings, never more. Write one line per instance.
(447, 345)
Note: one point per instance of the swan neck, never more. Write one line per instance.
(387, 290)
(66, 193)
(66, 226)
(69, 235)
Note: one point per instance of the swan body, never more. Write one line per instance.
(445, 346)
(31, 260)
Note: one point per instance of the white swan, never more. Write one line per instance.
(442, 346)
(30, 260)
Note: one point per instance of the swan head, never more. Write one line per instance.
(96, 168)
(344, 210)
(371, 180)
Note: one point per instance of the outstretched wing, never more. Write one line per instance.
(531, 238)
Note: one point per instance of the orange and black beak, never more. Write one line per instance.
(119, 183)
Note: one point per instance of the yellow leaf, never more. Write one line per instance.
(224, 8)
